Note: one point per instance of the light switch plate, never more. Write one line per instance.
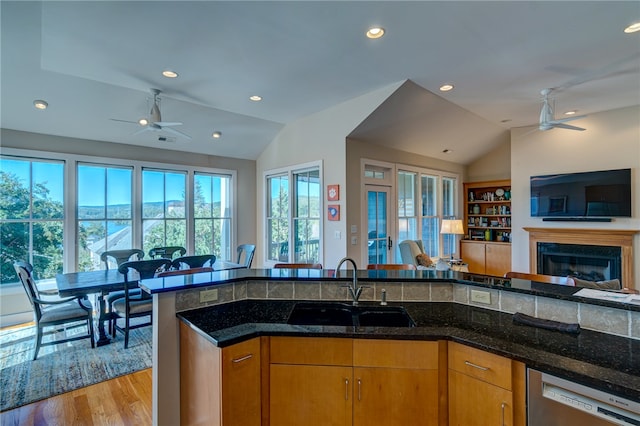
(209, 295)
(479, 296)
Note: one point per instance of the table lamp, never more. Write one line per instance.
(452, 227)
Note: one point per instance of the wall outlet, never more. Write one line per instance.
(479, 296)
(209, 295)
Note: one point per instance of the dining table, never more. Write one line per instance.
(102, 282)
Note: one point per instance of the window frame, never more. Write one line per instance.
(71, 161)
(290, 172)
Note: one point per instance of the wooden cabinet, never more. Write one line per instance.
(219, 386)
(487, 211)
(324, 381)
(486, 258)
(484, 389)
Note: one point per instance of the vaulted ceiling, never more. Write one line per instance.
(95, 62)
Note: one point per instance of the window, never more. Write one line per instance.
(105, 215)
(430, 220)
(32, 214)
(448, 211)
(407, 206)
(164, 220)
(212, 213)
(293, 216)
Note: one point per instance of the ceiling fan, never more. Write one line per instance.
(547, 120)
(154, 122)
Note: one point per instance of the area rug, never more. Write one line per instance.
(64, 367)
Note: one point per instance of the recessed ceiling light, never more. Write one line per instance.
(447, 151)
(40, 104)
(506, 120)
(375, 32)
(169, 74)
(446, 87)
(633, 28)
(143, 122)
(573, 112)
(255, 98)
(216, 135)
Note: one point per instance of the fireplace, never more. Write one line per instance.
(587, 262)
(618, 238)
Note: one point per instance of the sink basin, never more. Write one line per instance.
(384, 316)
(342, 314)
(321, 314)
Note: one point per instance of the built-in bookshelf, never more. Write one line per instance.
(487, 211)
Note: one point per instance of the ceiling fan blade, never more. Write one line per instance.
(124, 121)
(144, 129)
(168, 123)
(176, 132)
(567, 126)
(564, 120)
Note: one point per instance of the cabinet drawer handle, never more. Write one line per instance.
(359, 390)
(346, 389)
(479, 367)
(244, 358)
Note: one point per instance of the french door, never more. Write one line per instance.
(379, 224)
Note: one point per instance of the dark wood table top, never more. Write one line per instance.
(105, 281)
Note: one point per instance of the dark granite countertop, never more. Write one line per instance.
(599, 360)
(185, 282)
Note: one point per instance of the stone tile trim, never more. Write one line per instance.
(592, 317)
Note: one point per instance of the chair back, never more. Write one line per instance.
(121, 256)
(391, 266)
(193, 261)
(548, 279)
(409, 249)
(167, 252)
(24, 271)
(146, 269)
(189, 271)
(298, 266)
(245, 254)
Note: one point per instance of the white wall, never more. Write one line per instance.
(611, 141)
(320, 136)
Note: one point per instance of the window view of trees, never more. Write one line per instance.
(164, 220)
(212, 213)
(31, 216)
(293, 216)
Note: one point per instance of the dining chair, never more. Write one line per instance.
(391, 266)
(135, 306)
(119, 257)
(198, 261)
(245, 254)
(297, 266)
(548, 279)
(167, 252)
(49, 313)
(189, 271)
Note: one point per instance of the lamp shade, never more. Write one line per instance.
(452, 226)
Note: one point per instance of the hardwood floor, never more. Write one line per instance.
(125, 400)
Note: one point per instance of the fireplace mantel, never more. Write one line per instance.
(599, 237)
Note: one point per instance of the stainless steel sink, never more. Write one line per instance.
(342, 314)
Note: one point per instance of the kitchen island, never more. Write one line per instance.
(254, 303)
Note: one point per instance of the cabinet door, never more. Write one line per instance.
(390, 396)
(473, 402)
(498, 259)
(241, 384)
(310, 395)
(473, 254)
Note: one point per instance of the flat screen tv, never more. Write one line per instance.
(596, 194)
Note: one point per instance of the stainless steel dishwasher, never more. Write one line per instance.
(553, 401)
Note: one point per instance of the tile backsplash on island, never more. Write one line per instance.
(604, 319)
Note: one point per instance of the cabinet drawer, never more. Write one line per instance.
(311, 350)
(395, 354)
(482, 365)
